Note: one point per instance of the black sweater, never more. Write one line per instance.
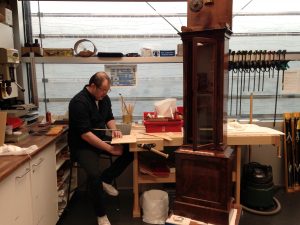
(84, 116)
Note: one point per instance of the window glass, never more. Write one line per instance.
(271, 26)
(131, 26)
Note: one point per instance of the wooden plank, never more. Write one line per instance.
(160, 135)
(125, 139)
(253, 139)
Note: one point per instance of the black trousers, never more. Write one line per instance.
(89, 161)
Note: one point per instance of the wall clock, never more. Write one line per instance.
(196, 5)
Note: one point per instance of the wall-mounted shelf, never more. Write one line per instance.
(291, 56)
(32, 60)
(101, 60)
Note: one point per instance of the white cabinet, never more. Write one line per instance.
(29, 195)
(15, 195)
(6, 203)
(22, 195)
(43, 186)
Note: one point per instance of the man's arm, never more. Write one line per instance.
(93, 140)
(112, 125)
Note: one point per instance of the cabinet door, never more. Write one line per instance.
(22, 196)
(6, 201)
(15, 195)
(44, 193)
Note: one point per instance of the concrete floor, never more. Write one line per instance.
(80, 211)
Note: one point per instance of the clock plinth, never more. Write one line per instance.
(205, 188)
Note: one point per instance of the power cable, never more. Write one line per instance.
(242, 8)
(273, 211)
(164, 18)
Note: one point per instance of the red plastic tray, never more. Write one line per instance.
(161, 126)
(168, 126)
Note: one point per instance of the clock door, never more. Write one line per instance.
(203, 88)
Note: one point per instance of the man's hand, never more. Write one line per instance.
(117, 134)
(116, 150)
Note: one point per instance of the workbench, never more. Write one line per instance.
(251, 135)
(247, 135)
(160, 140)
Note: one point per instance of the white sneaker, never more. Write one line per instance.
(103, 220)
(109, 189)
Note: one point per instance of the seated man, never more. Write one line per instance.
(90, 114)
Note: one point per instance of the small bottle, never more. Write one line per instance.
(48, 117)
(36, 43)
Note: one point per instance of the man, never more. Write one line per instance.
(90, 114)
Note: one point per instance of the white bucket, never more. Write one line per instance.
(155, 205)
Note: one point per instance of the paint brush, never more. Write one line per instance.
(123, 103)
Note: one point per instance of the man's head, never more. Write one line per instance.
(99, 85)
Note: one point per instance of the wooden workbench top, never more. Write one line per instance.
(9, 163)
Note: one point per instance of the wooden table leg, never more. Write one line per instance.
(136, 207)
(238, 175)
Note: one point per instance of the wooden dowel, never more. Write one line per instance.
(104, 129)
(251, 108)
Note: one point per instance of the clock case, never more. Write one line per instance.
(204, 163)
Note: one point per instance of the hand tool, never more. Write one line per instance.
(289, 147)
(230, 68)
(254, 67)
(297, 145)
(259, 69)
(237, 82)
(263, 69)
(284, 67)
(248, 66)
(236, 70)
(242, 70)
(277, 83)
(269, 64)
(150, 147)
(244, 62)
(273, 62)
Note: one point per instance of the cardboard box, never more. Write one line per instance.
(2, 127)
(38, 51)
(7, 14)
(58, 52)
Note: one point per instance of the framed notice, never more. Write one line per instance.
(291, 82)
(122, 75)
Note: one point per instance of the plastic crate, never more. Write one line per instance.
(161, 126)
(168, 126)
